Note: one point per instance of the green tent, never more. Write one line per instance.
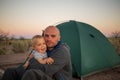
(90, 49)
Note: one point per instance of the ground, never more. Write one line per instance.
(13, 60)
(110, 74)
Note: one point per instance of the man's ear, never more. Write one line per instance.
(59, 38)
(43, 32)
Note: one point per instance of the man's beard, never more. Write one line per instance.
(50, 48)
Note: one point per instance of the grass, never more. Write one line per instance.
(14, 46)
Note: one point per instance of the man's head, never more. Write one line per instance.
(52, 36)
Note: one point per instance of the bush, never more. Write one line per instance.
(116, 43)
(20, 46)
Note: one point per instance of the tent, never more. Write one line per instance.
(90, 49)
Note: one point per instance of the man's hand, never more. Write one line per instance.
(49, 60)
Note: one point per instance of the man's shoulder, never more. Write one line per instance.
(64, 45)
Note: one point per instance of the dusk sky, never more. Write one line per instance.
(29, 17)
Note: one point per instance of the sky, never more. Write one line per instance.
(27, 18)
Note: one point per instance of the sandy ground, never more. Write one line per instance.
(110, 74)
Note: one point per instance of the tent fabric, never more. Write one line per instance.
(90, 49)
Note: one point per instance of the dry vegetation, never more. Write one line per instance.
(14, 46)
(116, 43)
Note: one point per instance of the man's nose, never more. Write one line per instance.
(49, 38)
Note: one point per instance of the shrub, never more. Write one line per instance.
(20, 46)
(116, 43)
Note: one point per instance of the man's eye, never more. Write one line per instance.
(46, 35)
(53, 36)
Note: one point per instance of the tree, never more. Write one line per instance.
(3, 41)
(116, 34)
(115, 40)
(21, 38)
(3, 35)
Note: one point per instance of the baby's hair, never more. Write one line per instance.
(34, 39)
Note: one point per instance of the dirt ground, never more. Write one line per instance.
(13, 60)
(110, 74)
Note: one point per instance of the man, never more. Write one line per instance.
(61, 68)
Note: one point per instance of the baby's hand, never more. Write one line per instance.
(50, 60)
(31, 56)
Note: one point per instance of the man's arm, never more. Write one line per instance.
(60, 57)
(60, 60)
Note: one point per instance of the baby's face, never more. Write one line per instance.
(40, 45)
